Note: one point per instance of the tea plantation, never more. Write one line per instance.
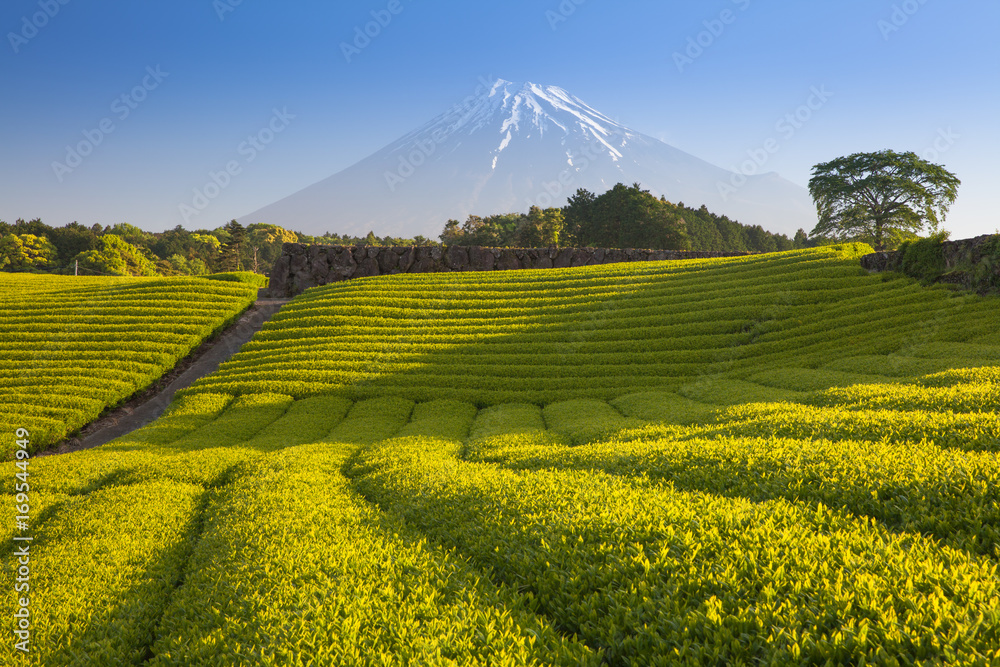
(775, 459)
(71, 347)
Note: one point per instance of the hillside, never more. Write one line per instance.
(604, 331)
(72, 347)
(772, 459)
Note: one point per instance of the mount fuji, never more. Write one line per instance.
(514, 146)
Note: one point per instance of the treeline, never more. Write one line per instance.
(623, 217)
(124, 249)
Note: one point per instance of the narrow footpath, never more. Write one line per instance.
(148, 406)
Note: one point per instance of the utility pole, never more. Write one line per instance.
(76, 268)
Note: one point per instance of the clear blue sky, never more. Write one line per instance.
(903, 75)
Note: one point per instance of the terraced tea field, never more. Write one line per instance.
(766, 460)
(70, 347)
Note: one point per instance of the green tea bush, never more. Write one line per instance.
(972, 430)
(912, 487)
(583, 420)
(645, 573)
(102, 572)
(294, 567)
(811, 379)
(924, 258)
(729, 391)
(506, 419)
(773, 459)
(71, 347)
(246, 277)
(664, 406)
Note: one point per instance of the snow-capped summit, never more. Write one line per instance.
(512, 146)
(528, 110)
(510, 111)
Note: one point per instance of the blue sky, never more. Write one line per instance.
(167, 94)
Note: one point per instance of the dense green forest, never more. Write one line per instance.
(623, 217)
(124, 249)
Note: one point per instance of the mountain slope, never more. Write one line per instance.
(513, 147)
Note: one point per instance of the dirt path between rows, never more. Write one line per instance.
(149, 405)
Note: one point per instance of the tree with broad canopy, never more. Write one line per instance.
(882, 196)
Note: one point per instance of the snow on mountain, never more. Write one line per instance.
(514, 146)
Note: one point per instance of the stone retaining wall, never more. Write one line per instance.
(303, 266)
(964, 252)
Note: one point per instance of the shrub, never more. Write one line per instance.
(253, 279)
(924, 259)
